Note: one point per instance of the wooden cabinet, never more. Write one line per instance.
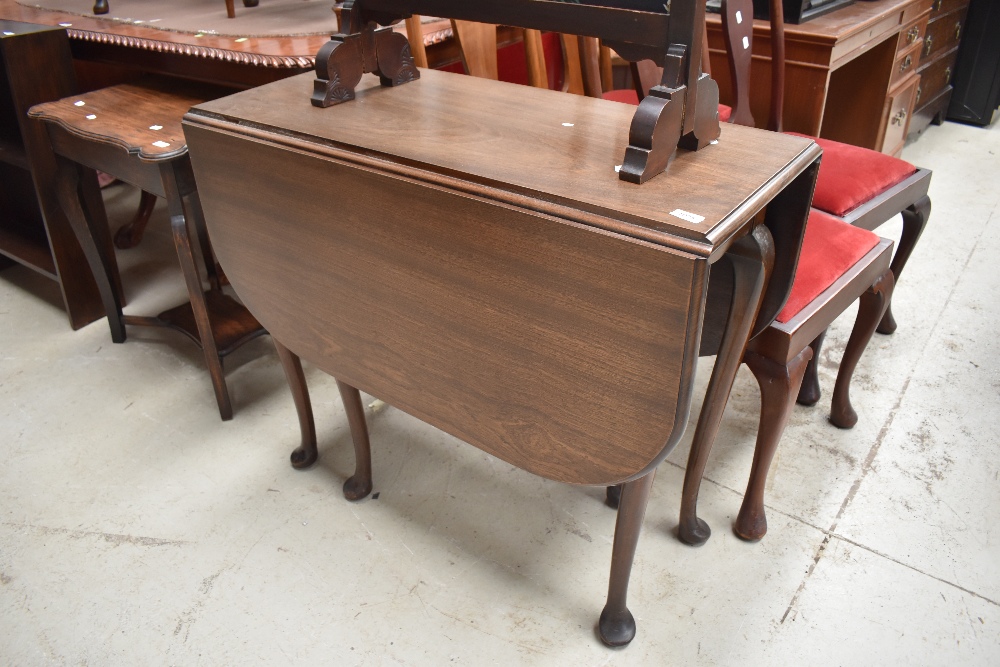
(945, 27)
(850, 75)
(976, 83)
(35, 66)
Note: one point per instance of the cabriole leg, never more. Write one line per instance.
(617, 626)
(914, 220)
(871, 310)
(306, 453)
(358, 485)
(779, 384)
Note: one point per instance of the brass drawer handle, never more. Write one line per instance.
(905, 65)
(899, 117)
(920, 91)
(947, 74)
(937, 6)
(928, 44)
(958, 30)
(913, 34)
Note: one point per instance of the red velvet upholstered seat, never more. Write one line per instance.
(850, 176)
(829, 249)
(626, 95)
(629, 96)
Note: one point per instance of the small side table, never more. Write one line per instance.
(133, 132)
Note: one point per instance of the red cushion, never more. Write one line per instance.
(849, 176)
(626, 95)
(829, 249)
(629, 96)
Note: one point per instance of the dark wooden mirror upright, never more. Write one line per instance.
(681, 111)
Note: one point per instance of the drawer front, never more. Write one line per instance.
(944, 33)
(915, 10)
(897, 117)
(906, 64)
(942, 7)
(935, 77)
(911, 34)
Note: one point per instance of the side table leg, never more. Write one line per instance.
(88, 236)
(617, 626)
(185, 254)
(752, 258)
(306, 453)
(130, 234)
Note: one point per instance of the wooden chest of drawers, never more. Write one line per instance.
(937, 62)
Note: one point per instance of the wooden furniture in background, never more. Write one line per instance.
(491, 275)
(102, 6)
(222, 59)
(976, 80)
(133, 132)
(33, 230)
(860, 186)
(942, 34)
(851, 75)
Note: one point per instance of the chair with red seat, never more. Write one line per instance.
(860, 186)
(839, 263)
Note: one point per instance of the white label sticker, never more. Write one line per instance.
(7, 32)
(685, 215)
(79, 103)
(746, 42)
(242, 39)
(618, 168)
(739, 17)
(156, 127)
(91, 117)
(567, 124)
(160, 144)
(65, 25)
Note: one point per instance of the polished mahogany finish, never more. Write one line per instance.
(133, 133)
(486, 271)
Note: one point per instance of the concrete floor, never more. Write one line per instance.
(136, 528)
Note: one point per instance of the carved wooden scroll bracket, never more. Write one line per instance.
(341, 62)
(658, 126)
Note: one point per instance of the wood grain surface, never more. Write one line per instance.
(561, 349)
(531, 147)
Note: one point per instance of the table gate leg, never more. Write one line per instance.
(752, 258)
(617, 626)
(306, 453)
(359, 484)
